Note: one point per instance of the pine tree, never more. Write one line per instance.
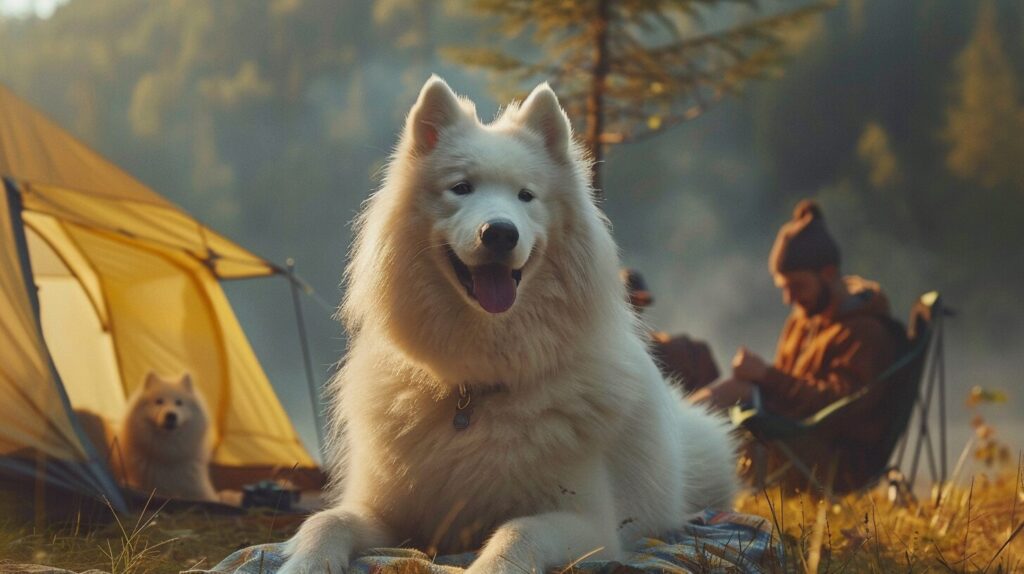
(984, 125)
(634, 68)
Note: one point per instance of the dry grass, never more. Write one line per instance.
(154, 541)
(973, 528)
(976, 527)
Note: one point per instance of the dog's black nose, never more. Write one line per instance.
(499, 235)
(170, 420)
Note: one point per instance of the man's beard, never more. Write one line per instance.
(824, 299)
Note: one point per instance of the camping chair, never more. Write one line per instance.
(908, 385)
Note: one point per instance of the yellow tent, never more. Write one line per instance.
(101, 281)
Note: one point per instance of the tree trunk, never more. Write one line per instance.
(595, 98)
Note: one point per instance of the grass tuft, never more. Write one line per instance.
(975, 527)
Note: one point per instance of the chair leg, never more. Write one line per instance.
(924, 400)
(943, 476)
(898, 490)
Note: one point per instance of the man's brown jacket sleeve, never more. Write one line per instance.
(847, 360)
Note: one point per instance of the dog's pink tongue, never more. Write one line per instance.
(494, 287)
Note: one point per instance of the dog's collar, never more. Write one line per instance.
(463, 407)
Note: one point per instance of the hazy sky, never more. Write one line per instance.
(41, 8)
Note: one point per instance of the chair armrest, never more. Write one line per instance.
(762, 423)
(768, 425)
(742, 412)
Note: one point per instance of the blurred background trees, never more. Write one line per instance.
(985, 122)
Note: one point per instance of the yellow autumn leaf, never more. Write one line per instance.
(980, 395)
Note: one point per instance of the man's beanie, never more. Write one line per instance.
(803, 243)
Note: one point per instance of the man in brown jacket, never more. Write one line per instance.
(839, 338)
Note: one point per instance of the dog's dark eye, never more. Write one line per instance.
(525, 195)
(462, 188)
(159, 401)
(178, 402)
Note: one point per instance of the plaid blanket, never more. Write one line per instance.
(714, 542)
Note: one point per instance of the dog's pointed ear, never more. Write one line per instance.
(151, 379)
(436, 109)
(186, 382)
(541, 113)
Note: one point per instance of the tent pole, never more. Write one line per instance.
(101, 478)
(14, 204)
(314, 393)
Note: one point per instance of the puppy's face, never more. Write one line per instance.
(168, 405)
(492, 191)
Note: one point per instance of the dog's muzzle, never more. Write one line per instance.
(170, 421)
(492, 285)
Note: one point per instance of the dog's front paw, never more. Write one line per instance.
(321, 560)
(321, 545)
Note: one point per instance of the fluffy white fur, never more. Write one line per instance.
(583, 447)
(163, 440)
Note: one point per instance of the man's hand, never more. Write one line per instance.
(723, 394)
(748, 366)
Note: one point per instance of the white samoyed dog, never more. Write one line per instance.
(497, 391)
(164, 440)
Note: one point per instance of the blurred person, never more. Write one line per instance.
(838, 338)
(685, 361)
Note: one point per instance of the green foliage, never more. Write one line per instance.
(985, 124)
(635, 68)
(875, 151)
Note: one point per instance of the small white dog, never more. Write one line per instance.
(164, 442)
(497, 391)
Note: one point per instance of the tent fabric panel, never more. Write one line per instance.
(81, 348)
(170, 315)
(89, 478)
(45, 261)
(235, 268)
(159, 319)
(163, 227)
(235, 477)
(30, 467)
(256, 429)
(30, 403)
(71, 475)
(58, 255)
(35, 149)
